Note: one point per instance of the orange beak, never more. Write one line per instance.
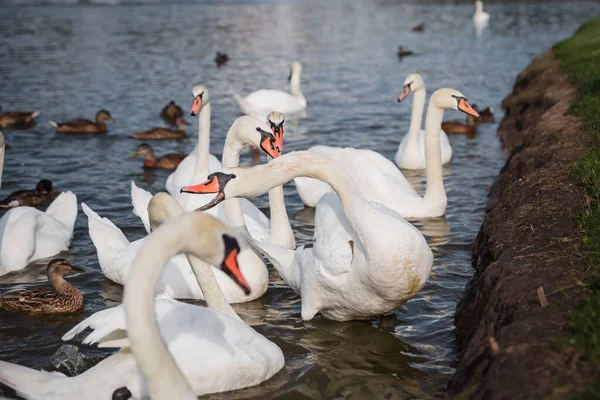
(278, 132)
(404, 94)
(466, 108)
(230, 267)
(196, 106)
(211, 185)
(270, 147)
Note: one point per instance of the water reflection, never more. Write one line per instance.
(70, 60)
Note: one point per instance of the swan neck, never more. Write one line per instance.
(163, 377)
(433, 154)
(295, 87)
(281, 232)
(231, 159)
(304, 164)
(203, 147)
(213, 295)
(416, 117)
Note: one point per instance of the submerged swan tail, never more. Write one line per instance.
(140, 199)
(282, 259)
(105, 235)
(32, 384)
(64, 209)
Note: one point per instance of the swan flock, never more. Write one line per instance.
(207, 241)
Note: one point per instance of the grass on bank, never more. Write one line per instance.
(580, 60)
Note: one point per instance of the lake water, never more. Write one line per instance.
(69, 60)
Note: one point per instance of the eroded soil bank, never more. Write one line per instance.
(511, 347)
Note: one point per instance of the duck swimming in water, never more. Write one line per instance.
(79, 126)
(62, 297)
(168, 161)
(42, 192)
(18, 119)
(171, 113)
(163, 133)
(221, 59)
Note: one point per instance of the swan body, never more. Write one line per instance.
(411, 152)
(263, 101)
(366, 259)
(169, 349)
(29, 234)
(480, 17)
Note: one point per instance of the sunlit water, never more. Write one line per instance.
(68, 61)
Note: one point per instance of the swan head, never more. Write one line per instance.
(451, 99)
(200, 97)
(60, 267)
(295, 69)
(217, 182)
(478, 6)
(412, 83)
(161, 208)
(275, 120)
(250, 131)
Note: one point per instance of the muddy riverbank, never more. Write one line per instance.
(514, 345)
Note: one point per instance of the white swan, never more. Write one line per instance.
(199, 163)
(411, 152)
(213, 349)
(116, 254)
(480, 17)
(262, 101)
(379, 179)
(366, 259)
(28, 234)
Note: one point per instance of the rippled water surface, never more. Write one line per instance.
(69, 60)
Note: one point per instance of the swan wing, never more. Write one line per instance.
(17, 232)
(139, 200)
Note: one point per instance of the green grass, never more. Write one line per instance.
(580, 60)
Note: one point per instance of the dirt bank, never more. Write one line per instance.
(510, 346)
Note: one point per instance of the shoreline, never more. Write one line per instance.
(512, 322)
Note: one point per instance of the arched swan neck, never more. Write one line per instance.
(262, 178)
(433, 154)
(416, 118)
(180, 234)
(203, 146)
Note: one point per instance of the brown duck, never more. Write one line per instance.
(485, 115)
(78, 126)
(62, 297)
(460, 128)
(171, 112)
(221, 59)
(18, 119)
(419, 28)
(163, 133)
(168, 161)
(402, 52)
(42, 192)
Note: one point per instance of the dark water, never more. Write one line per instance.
(68, 61)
